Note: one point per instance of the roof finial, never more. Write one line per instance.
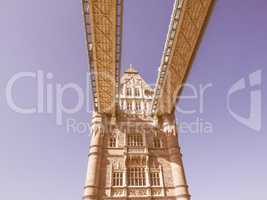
(131, 70)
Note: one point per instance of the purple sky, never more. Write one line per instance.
(41, 160)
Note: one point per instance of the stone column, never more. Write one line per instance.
(147, 176)
(178, 174)
(161, 176)
(94, 158)
(162, 184)
(147, 172)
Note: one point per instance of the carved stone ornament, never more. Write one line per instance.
(169, 129)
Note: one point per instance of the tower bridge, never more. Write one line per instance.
(138, 156)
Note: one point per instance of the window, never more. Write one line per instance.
(155, 178)
(136, 92)
(129, 106)
(138, 106)
(157, 142)
(148, 93)
(135, 139)
(112, 141)
(128, 92)
(136, 176)
(117, 179)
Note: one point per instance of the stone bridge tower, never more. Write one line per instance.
(137, 156)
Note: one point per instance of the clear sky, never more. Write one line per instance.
(42, 160)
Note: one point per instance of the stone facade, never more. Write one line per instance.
(136, 156)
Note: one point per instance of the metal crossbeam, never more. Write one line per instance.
(103, 27)
(187, 22)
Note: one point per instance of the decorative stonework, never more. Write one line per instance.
(134, 158)
(156, 191)
(135, 95)
(136, 150)
(137, 192)
(118, 192)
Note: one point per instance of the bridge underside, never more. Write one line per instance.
(187, 23)
(103, 26)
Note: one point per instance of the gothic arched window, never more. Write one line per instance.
(137, 106)
(112, 141)
(136, 176)
(155, 177)
(129, 105)
(129, 91)
(135, 139)
(117, 178)
(136, 92)
(157, 142)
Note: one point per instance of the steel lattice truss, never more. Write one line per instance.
(187, 22)
(103, 25)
